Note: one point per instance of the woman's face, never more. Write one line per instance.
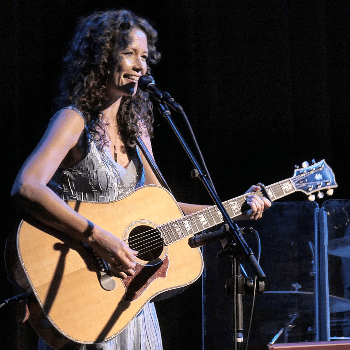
(129, 67)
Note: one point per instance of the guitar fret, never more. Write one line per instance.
(176, 232)
(165, 233)
(194, 223)
(188, 228)
(184, 228)
(181, 230)
(212, 219)
(271, 193)
(202, 222)
(280, 189)
(233, 207)
(170, 233)
(217, 215)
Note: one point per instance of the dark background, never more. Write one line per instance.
(265, 85)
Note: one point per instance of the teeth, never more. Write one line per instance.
(133, 77)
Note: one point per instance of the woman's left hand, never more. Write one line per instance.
(256, 203)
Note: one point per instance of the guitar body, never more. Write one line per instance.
(65, 276)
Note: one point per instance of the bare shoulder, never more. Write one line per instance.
(64, 131)
(67, 125)
(68, 117)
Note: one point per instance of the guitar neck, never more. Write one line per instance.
(210, 217)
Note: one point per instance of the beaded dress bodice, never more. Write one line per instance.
(97, 177)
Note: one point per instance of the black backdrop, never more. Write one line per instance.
(265, 85)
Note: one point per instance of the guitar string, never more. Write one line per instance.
(147, 243)
(140, 240)
(145, 238)
(190, 217)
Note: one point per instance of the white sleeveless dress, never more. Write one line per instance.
(97, 177)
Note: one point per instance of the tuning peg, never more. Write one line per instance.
(311, 198)
(305, 164)
(329, 192)
(320, 195)
(313, 161)
(296, 166)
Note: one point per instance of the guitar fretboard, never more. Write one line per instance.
(192, 224)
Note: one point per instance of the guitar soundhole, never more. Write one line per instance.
(147, 241)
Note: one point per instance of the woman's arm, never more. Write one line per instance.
(31, 191)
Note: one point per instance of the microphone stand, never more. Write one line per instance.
(238, 285)
(238, 249)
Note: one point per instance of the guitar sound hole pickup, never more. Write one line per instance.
(103, 273)
(106, 281)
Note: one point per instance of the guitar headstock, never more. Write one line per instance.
(314, 178)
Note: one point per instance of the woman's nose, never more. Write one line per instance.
(140, 64)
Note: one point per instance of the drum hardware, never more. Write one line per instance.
(305, 300)
(288, 326)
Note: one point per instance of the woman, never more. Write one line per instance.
(88, 151)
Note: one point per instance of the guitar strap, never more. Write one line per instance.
(152, 163)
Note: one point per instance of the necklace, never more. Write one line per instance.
(115, 138)
(122, 148)
(115, 153)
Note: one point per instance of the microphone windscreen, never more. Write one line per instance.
(145, 81)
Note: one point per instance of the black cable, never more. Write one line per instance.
(255, 287)
(13, 299)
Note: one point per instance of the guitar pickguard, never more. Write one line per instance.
(144, 275)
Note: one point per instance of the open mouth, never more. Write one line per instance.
(133, 78)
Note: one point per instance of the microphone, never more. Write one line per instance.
(206, 238)
(222, 233)
(147, 83)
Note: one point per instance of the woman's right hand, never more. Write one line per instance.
(114, 251)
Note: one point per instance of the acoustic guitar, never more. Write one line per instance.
(74, 299)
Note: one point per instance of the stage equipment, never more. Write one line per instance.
(335, 345)
(285, 232)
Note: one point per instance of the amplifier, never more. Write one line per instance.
(331, 345)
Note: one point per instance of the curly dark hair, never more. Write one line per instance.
(97, 40)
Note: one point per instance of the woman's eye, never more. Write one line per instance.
(127, 53)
